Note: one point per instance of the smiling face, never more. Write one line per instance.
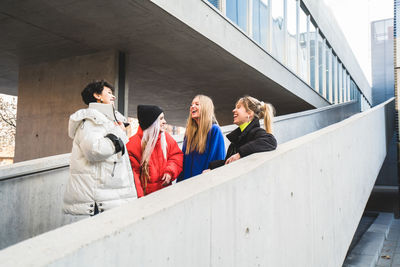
(163, 123)
(106, 96)
(240, 115)
(195, 109)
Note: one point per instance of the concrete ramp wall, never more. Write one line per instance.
(31, 195)
(296, 206)
(31, 192)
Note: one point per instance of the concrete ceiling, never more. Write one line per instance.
(168, 62)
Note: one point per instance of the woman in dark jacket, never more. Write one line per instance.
(249, 137)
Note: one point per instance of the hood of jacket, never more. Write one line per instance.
(90, 113)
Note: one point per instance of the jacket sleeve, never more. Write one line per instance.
(180, 176)
(262, 141)
(93, 143)
(175, 158)
(135, 163)
(216, 150)
(216, 163)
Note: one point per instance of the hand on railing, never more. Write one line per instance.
(233, 158)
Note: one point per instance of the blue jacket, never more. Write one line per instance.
(195, 163)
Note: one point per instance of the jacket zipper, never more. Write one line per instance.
(112, 173)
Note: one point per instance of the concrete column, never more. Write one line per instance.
(48, 93)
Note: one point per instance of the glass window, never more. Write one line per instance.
(328, 72)
(312, 55)
(231, 10)
(344, 84)
(358, 95)
(321, 69)
(260, 22)
(215, 3)
(256, 21)
(278, 31)
(340, 72)
(351, 89)
(303, 46)
(236, 10)
(348, 87)
(355, 92)
(242, 14)
(292, 35)
(264, 23)
(334, 79)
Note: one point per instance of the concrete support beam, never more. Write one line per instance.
(48, 93)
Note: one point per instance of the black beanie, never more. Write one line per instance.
(147, 114)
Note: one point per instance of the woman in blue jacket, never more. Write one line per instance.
(203, 141)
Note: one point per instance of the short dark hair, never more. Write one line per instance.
(94, 87)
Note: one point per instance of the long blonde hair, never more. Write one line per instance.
(196, 135)
(149, 141)
(261, 110)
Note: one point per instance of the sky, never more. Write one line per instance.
(8, 98)
(354, 18)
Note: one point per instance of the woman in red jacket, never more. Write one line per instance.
(155, 156)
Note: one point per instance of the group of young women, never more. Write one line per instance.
(101, 176)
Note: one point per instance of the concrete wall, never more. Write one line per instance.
(40, 182)
(290, 207)
(292, 126)
(47, 94)
(388, 174)
(31, 195)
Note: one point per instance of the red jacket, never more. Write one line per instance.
(158, 166)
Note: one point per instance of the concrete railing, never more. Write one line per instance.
(31, 192)
(296, 206)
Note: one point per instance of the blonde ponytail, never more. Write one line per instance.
(269, 112)
(260, 109)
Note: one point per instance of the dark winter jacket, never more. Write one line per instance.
(253, 139)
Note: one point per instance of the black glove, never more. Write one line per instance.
(118, 144)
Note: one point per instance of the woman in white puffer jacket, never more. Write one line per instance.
(100, 173)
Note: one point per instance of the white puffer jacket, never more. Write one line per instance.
(97, 174)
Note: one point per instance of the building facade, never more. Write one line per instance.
(382, 60)
(291, 53)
